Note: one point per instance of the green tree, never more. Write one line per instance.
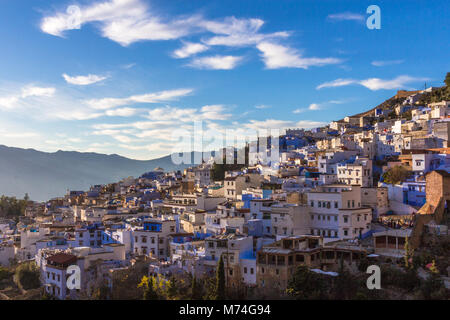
(220, 281)
(148, 284)
(172, 289)
(196, 292)
(433, 288)
(447, 79)
(305, 285)
(396, 175)
(28, 276)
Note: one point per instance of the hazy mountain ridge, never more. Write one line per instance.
(45, 175)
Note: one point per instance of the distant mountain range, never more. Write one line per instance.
(46, 175)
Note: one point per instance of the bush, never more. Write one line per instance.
(433, 288)
(4, 273)
(28, 275)
(305, 285)
(396, 175)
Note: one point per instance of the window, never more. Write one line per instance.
(345, 232)
(144, 239)
(231, 272)
(336, 204)
(252, 271)
(277, 271)
(245, 269)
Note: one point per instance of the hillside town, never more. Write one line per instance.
(369, 189)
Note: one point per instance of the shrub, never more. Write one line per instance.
(28, 275)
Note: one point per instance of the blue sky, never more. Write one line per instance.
(120, 76)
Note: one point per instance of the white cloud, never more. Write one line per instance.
(31, 91)
(262, 106)
(83, 80)
(399, 82)
(336, 83)
(235, 32)
(8, 102)
(129, 21)
(216, 62)
(121, 112)
(282, 124)
(189, 49)
(276, 56)
(314, 106)
(123, 21)
(167, 95)
(374, 83)
(300, 110)
(209, 112)
(346, 16)
(382, 63)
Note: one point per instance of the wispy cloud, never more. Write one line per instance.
(189, 49)
(32, 91)
(123, 21)
(162, 96)
(263, 106)
(374, 83)
(382, 63)
(129, 21)
(83, 80)
(346, 16)
(216, 62)
(317, 106)
(281, 124)
(276, 56)
(336, 83)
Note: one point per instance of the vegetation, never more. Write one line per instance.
(5, 273)
(307, 285)
(220, 281)
(27, 275)
(439, 94)
(150, 288)
(172, 288)
(196, 292)
(396, 175)
(11, 207)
